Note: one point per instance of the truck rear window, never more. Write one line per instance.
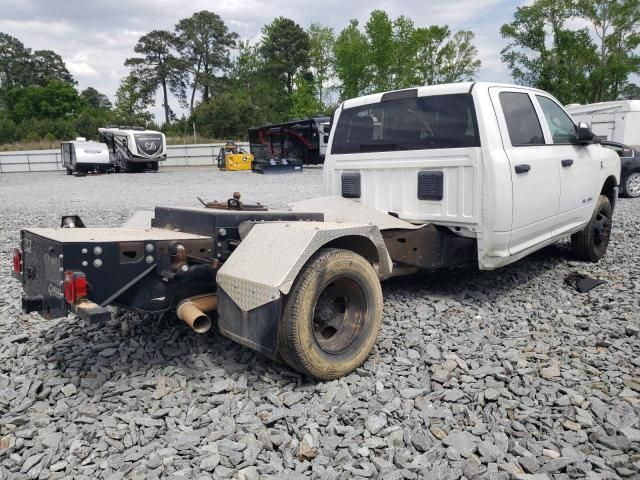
(418, 123)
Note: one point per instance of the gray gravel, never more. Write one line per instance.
(475, 374)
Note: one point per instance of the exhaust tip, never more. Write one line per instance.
(191, 312)
(201, 324)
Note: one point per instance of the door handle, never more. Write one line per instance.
(567, 163)
(523, 168)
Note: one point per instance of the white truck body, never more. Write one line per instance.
(454, 141)
(618, 121)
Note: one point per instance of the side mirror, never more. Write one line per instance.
(584, 133)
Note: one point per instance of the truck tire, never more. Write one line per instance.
(331, 316)
(631, 185)
(591, 243)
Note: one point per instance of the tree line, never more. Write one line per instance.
(579, 50)
(578, 65)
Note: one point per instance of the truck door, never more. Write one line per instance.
(535, 178)
(579, 166)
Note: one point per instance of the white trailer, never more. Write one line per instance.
(80, 156)
(617, 121)
(134, 149)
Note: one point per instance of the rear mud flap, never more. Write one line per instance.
(256, 329)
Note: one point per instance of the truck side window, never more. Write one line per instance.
(562, 127)
(522, 121)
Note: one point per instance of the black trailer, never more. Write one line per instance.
(299, 141)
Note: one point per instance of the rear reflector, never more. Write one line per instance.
(17, 260)
(75, 286)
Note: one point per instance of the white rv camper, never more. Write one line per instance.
(134, 149)
(80, 156)
(618, 121)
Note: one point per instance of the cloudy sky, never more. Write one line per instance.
(95, 37)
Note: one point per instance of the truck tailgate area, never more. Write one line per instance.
(111, 258)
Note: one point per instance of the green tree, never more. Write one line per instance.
(285, 50)
(533, 35)
(228, 115)
(245, 70)
(544, 52)
(47, 65)
(133, 99)
(159, 67)
(14, 62)
(56, 100)
(95, 99)
(615, 24)
(379, 30)
(405, 51)
(304, 101)
(322, 41)
(630, 91)
(444, 58)
(9, 131)
(396, 54)
(352, 61)
(204, 42)
(247, 78)
(572, 63)
(86, 124)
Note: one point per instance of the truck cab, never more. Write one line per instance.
(502, 164)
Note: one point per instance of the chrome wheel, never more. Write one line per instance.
(632, 186)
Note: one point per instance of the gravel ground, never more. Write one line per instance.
(496, 375)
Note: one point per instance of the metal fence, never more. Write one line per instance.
(50, 160)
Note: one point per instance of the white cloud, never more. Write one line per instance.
(81, 68)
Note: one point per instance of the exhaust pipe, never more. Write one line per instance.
(192, 312)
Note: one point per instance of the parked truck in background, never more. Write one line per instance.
(417, 179)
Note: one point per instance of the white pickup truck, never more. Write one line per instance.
(502, 164)
(418, 179)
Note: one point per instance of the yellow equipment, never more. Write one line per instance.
(232, 158)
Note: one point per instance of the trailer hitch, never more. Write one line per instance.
(234, 204)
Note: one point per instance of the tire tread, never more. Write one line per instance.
(290, 344)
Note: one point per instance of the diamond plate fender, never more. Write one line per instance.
(268, 260)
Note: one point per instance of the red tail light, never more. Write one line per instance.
(75, 286)
(17, 260)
